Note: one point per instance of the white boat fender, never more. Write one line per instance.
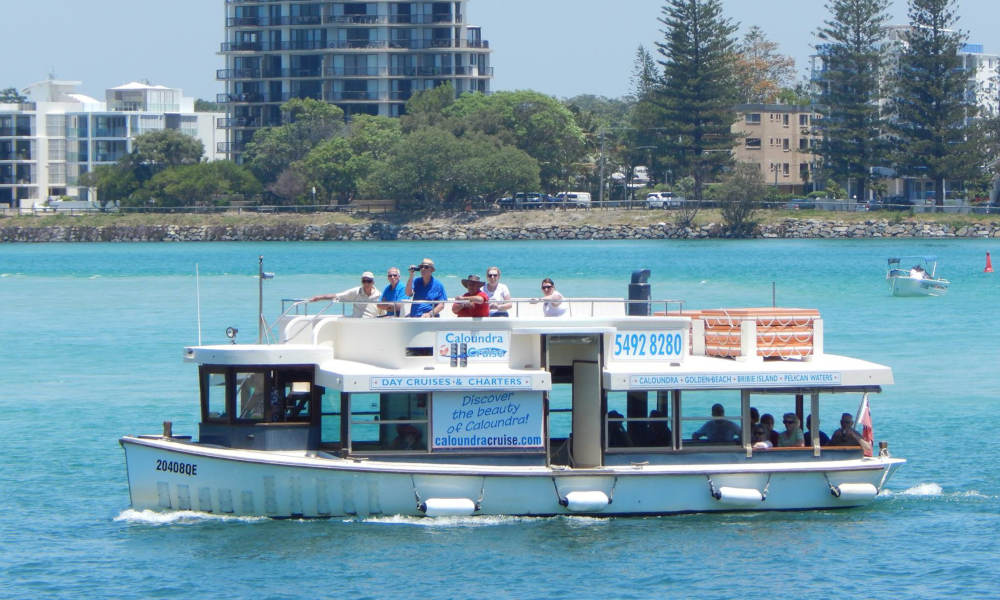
(590, 501)
(448, 507)
(854, 491)
(739, 496)
(736, 496)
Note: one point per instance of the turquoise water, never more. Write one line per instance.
(92, 340)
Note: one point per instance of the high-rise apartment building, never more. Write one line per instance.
(779, 140)
(365, 57)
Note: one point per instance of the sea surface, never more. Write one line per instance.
(92, 339)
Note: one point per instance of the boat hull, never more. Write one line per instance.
(167, 475)
(915, 286)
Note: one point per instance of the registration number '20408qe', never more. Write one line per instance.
(648, 345)
(180, 468)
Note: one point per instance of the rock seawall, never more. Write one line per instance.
(284, 232)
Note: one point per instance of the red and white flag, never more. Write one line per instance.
(865, 420)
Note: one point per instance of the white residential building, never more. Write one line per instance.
(47, 142)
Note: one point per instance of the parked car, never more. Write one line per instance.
(578, 199)
(800, 204)
(663, 200)
(890, 203)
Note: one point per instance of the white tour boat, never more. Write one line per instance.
(918, 280)
(602, 411)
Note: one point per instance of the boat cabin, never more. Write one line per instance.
(596, 387)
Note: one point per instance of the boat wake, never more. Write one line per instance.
(933, 489)
(180, 517)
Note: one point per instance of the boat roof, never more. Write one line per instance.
(925, 258)
(761, 349)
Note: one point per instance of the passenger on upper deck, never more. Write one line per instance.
(364, 297)
(425, 288)
(823, 438)
(552, 300)
(500, 302)
(847, 435)
(393, 295)
(474, 302)
(792, 435)
(718, 428)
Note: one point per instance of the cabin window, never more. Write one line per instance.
(330, 417)
(292, 397)
(251, 395)
(711, 417)
(234, 394)
(638, 419)
(215, 397)
(391, 422)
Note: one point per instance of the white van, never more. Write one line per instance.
(578, 199)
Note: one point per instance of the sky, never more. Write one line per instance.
(562, 48)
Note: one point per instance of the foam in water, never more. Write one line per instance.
(150, 517)
(923, 489)
(481, 521)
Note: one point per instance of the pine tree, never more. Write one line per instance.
(932, 117)
(698, 93)
(851, 46)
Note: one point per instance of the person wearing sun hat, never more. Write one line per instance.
(426, 287)
(474, 302)
(365, 297)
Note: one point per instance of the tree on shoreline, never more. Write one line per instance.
(851, 46)
(932, 118)
(698, 92)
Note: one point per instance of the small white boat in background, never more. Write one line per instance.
(918, 280)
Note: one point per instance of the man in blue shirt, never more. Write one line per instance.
(393, 295)
(425, 288)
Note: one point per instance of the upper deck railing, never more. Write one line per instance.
(521, 308)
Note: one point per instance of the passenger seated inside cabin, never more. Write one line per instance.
(847, 435)
(917, 272)
(718, 429)
(617, 436)
(408, 437)
(658, 434)
(759, 438)
(823, 438)
(792, 435)
(754, 417)
(767, 420)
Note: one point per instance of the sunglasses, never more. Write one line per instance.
(426, 266)
(493, 274)
(366, 280)
(393, 275)
(546, 287)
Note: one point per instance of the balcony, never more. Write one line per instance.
(291, 46)
(355, 95)
(354, 72)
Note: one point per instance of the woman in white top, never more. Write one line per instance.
(499, 294)
(553, 306)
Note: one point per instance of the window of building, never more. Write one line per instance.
(804, 120)
(753, 143)
(803, 143)
(785, 169)
(752, 119)
(785, 145)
